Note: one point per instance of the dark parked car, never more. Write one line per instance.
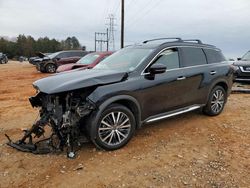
(33, 60)
(136, 85)
(242, 73)
(3, 58)
(51, 62)
(86, 62)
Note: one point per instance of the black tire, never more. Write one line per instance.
(117, 140)
(50, 68)
(216, 102)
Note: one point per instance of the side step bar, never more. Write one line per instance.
(173, 113)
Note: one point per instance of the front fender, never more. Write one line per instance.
(93, 120)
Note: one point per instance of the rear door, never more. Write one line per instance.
(195, 71)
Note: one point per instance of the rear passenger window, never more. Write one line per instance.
(214, 56)
(193, 56)
(81, 54)
(61, 55)
(75, 54)
(169, 58)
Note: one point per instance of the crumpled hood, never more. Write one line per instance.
(242, 63)
(72, 80)
(41, 55)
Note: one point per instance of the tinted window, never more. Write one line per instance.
(70, 54)
(62, 55)
(214, 56)
(169, 58)
(81, 54)
(74, 54)
(193, 56)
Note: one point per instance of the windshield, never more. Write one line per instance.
(126, 59)
(246, 56)
(88, 59)
(51, 56)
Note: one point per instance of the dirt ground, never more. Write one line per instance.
(191, 150)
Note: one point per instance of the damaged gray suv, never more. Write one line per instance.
(136, 85)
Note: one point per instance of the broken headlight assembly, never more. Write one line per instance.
(62, 113)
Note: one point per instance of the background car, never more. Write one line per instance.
(242, 66)
(88, 61)
(3, 58)
(32, 59)
(49, 63)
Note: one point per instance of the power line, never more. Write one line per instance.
(129, 3)
(141, 12)
(117, 7)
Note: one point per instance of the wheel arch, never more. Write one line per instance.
(128, 101)
(221, 82)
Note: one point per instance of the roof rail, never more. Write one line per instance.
(146, 41)
(193, 40)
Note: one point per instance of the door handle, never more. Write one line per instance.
(213, 72)
(181, 78)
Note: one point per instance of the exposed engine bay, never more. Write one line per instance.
(63, 114)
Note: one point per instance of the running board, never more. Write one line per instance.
(173, 113)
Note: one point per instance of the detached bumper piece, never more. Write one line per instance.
(26, 144)
(30, 147)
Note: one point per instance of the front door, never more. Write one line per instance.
(166, 91)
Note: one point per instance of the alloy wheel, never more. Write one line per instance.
(114, 128)
(51, 68)
(218, 100)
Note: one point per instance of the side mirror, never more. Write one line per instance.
(157, 69)
(238, 58)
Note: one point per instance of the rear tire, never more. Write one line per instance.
(115, 127)
(216, 102)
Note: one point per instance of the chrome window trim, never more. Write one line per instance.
(146, 73)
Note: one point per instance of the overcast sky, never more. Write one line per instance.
(224, 23)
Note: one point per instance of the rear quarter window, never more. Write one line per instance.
(214, 56)
(193, 56)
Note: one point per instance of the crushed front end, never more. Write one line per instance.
(63, 114)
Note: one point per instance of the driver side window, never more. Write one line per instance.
(169, 58)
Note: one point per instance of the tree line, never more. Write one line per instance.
(27, 46)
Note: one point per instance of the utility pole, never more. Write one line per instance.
(122, 23)
(100, 39)
(111, 26)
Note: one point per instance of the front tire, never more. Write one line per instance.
(216, 101)
(50, 68)
(115, 127)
